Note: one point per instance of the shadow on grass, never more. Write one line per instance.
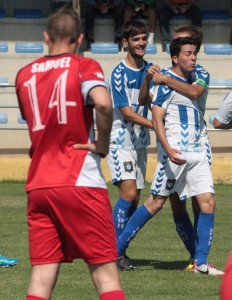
(145, 264)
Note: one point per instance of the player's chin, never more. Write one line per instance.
(140, 52)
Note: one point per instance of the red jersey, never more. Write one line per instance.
(52, 93)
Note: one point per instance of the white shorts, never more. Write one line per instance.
(190, 179)
(128, 164)
(207, 148)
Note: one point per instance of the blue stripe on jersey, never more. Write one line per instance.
(145, 111)
(118, 87)
(183, 124)
(197, 128)
(163, 93)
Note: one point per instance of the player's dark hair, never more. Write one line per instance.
(64, 24)
(193, 31)
(133, 28)
(176, 44)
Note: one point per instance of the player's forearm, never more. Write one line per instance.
(161, 134)
(185, 89)
(144, 95)
(104, 125)
(218, 125)
(139, 120)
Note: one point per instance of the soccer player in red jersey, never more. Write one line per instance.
(69, 212)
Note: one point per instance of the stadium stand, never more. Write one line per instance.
(221, 83)
(21, 120)
(28, 13)
(3, 47)
(151, 49)
(3, 118)
(219, 49)
(2, 13)
(28, 47)
(104, 48)
(216, 30)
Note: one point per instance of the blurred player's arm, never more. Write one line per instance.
(218, 125)
(158, 125)
(132, 116)
(145, 97)
(223, 117)
(100, 97)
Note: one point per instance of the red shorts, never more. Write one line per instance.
(226, 288)
(70, 222)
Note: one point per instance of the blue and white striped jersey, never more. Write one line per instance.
(124, 86)
(182, 118)
(201, 76)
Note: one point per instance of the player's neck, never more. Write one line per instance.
(56, 49)
(135, 62)
(180, 72)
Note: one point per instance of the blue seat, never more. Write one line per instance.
(3, 47)
(28, 13)
(151, 49)
(211, 118)
(221, 82)
(223, 49)
(215, 14)
(107, 48)
(167, 48)
(2, 13)
(28, 47)
(21, 120)
(3, 118)
(3, 81)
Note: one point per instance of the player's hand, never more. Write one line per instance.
(174, 156)
(154, 69)
(158, 78)
(92, 147)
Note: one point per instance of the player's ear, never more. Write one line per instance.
(46, 37)
(80, 40)
(175, 59)
(125, 43)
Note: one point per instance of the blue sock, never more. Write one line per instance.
(122, 211)
(205, 236)
(136, 222)
(185, 230)
(196, 218)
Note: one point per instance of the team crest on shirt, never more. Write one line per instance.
(128, 166)
(170, 184)
(99, 75)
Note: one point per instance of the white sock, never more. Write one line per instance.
(151, 37)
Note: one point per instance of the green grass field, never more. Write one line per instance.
(156, 250)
